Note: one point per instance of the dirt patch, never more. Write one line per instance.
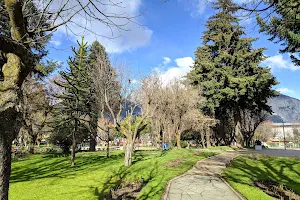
(198, 153)
(175, 163)
(126, 191)
(276, 190)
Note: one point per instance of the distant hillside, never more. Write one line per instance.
(286, 107)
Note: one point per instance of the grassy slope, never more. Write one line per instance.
(48, 176)
(245, 169)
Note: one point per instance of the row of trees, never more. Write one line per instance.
(94, 98)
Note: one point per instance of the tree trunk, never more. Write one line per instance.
(38, 143)
(14, 75)
(31, 142)
(107, 147)
(92, 143)
(202, 139)
(5, 165)
(31, 147)
(238, 132)
(178, 141)
(208, 138)
(9, 127)
(128, 153)
(73, 150)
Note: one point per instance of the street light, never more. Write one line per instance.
(284, 141)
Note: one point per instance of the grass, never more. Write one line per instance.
(49, 176)
(246, 169)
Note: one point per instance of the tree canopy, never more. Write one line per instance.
(227, 68)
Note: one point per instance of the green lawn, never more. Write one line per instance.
(246, 169)
(49, 176)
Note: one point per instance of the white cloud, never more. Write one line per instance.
(278, 62)
(285, 90)
(115, 40)
(195, 7)
(55, 42)
(177, 72)
(135, 81)
(166, 61)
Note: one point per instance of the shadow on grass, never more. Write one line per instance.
(58, 166)
(114, 181)
(247, 169)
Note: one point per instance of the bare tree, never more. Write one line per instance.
(35, 108)
(250, 122)
(125, 105)
(265, 131)
(177, 112)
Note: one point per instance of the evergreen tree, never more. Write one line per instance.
(228, 72)
(71, 113)
(284, 26)
(106, 88)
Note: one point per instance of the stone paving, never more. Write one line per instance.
(203, 181)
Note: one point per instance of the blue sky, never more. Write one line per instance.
(166, 39)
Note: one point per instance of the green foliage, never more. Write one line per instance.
(49, 175)
(33, 18)
(226, 67)
(44, 69)
(98, 51)
(246, 169)
(70, 113)
(104, 79)
(227, 70)
(183, 144)
(284, 26)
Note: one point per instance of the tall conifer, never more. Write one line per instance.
(70, 114)
(228, 72)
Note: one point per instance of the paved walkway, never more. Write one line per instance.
(278, 152)
(203, 181)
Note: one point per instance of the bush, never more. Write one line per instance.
(183, 144)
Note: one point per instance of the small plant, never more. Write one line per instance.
(183, 144)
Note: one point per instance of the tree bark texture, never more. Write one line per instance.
(128, 153)
(92, 143)
(73, 150)
(178, 141)
(9, 127)
(15, 72)
(202, 139)
(208, 138)
(107, 147)
(31, 142)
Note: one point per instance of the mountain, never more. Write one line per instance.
(288, 108)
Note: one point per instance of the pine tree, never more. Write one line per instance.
(70, 114)
(284, 26)
(227, 70)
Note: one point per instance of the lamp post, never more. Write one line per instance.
(284, 141)
(283, 134)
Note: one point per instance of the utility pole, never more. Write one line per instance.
(283, 134)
